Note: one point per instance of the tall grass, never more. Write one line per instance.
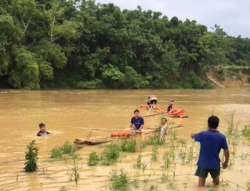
(60, 151)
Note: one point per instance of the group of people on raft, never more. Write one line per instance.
(211, 141)
(137, 123)
(152, 101)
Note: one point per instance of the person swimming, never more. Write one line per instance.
(42, 131)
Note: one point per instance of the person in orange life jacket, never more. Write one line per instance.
(137, 121)
(42, 131)
(170, 106)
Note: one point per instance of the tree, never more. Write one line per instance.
(25, 74)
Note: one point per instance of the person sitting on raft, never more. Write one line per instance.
(42, 131)
(170, 106)
(137, 121)
(152, 101)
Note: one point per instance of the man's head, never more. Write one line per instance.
(163, 121)
(42, 127)
(136, 113)
(172, 101)
(213, 122)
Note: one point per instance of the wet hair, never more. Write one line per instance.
(213, 122)
(41, 125)
(164, 119)
(136, 111)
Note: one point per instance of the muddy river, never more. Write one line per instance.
(74, 114)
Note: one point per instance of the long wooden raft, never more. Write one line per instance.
(96, 141)
(101, 140)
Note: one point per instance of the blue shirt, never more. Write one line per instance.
(211, 144)
(137, 122)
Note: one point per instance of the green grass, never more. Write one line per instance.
(120, 180)
(93, 159)
(128, 145)
(59, 151)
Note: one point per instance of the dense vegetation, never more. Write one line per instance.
(82, 44)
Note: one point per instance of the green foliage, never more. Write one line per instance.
(74, 173)
(120, 180)
(248, 185)
(93, 159)
(133, 80)
(248, 80)
(31, 157)
(56, 152)
(156, 139)
(110, 154)
(94, 84)
(246, 131)
(58, 44)
(63, 188)
(138, 163)
(128, 145)
(60, 151)
(26, 73)
(154, 153)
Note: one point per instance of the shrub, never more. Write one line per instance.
(31, 157)
(119, 180)
(93, 159)
(128, 145)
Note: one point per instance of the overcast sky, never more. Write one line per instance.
(232, 15)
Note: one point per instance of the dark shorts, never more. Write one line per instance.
(153, 102)
(202, 172)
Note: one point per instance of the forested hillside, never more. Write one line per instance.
(84, 45)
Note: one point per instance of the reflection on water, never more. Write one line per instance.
(73, 114)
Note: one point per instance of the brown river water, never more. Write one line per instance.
(73, 114)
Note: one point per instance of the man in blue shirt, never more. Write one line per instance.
(137, 121)
(211, 143)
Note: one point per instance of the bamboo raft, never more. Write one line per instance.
(176, 116)
(101, 140)
(97, 141)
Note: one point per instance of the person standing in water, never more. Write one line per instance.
(211, 143)
(164, 127)
(137, 121)
(42, 131)
(152, 101)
